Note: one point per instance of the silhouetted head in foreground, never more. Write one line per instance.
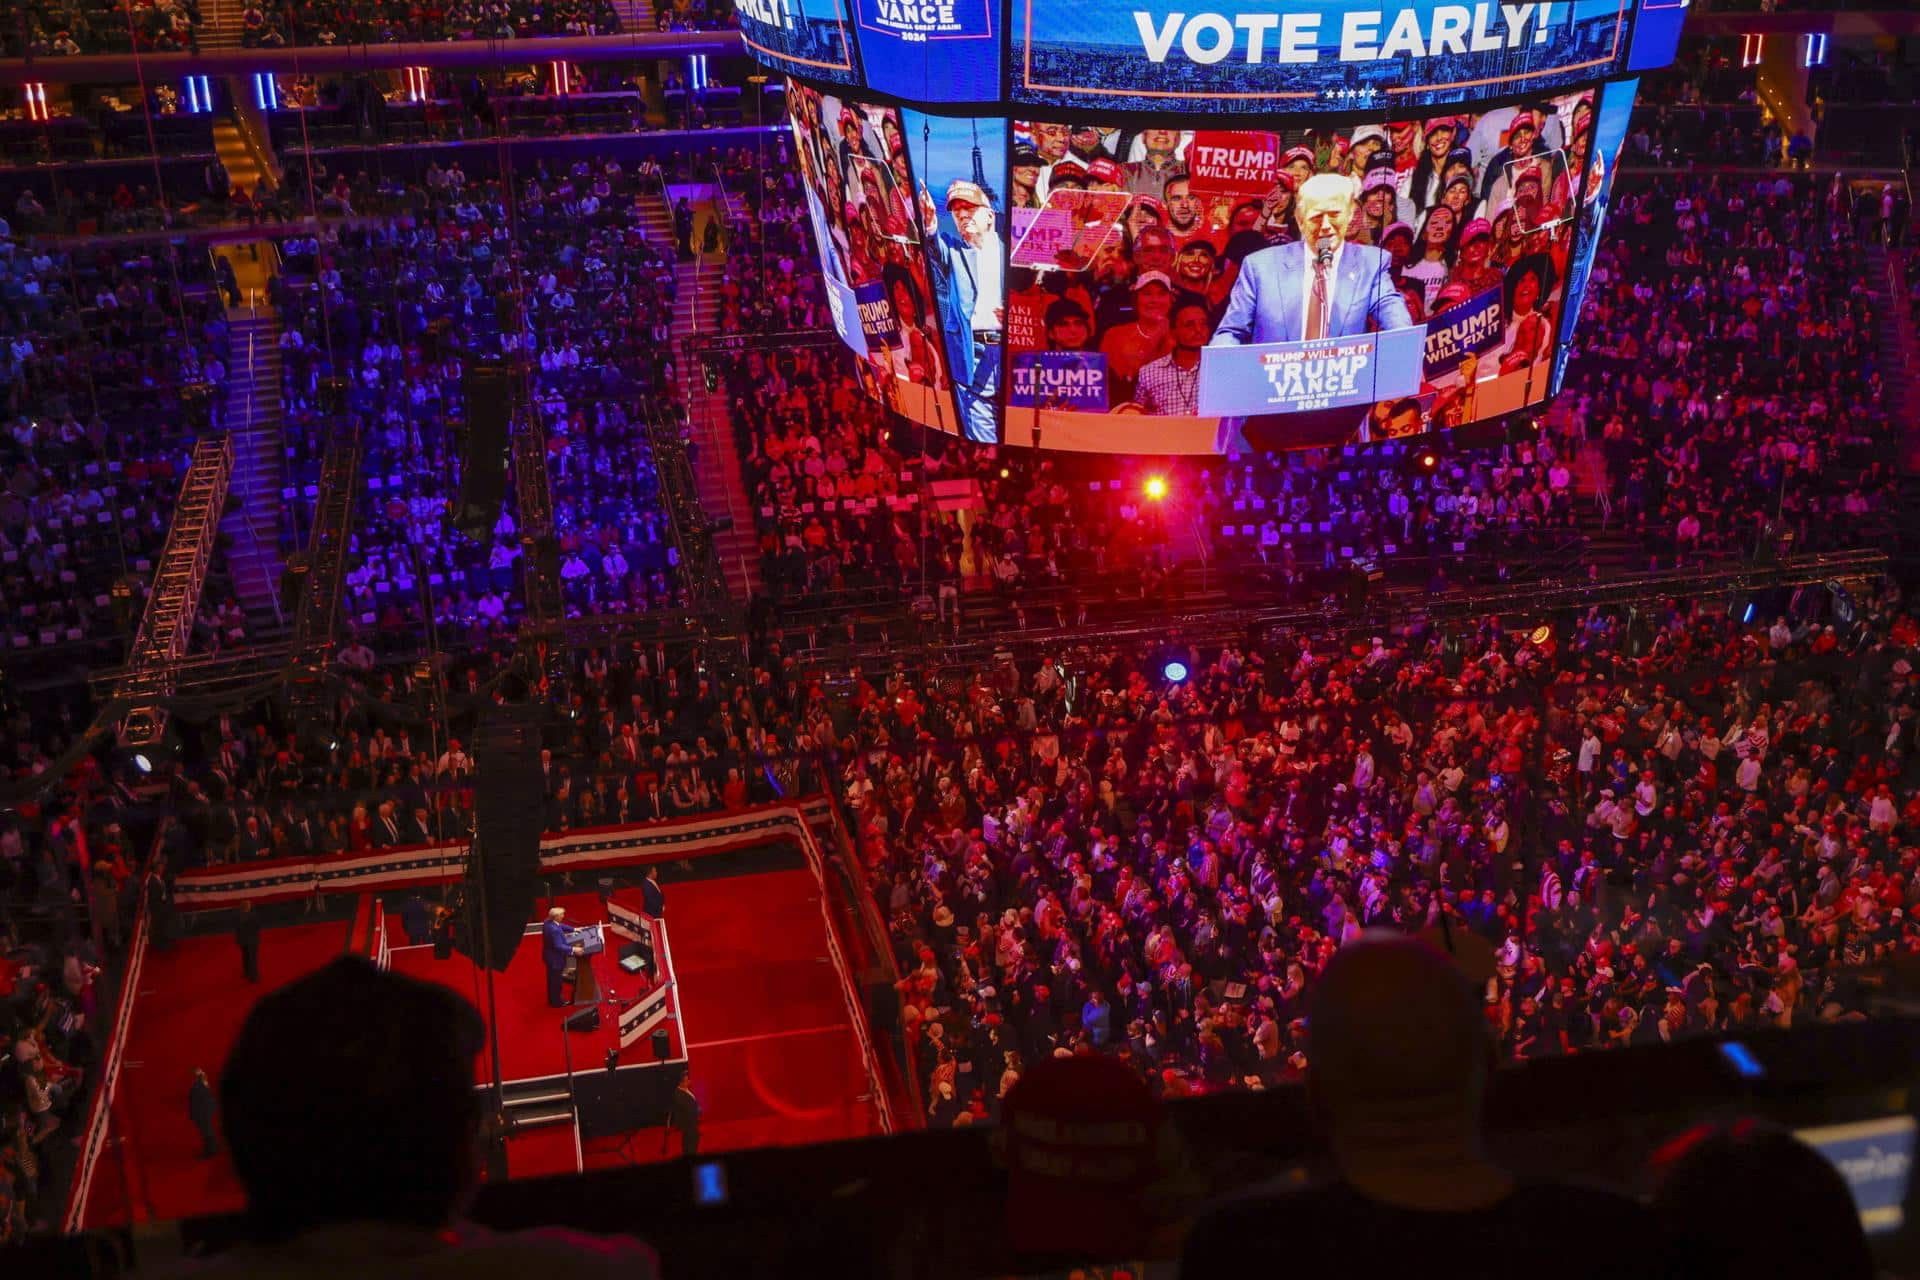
(1398, 1056)
(1754, 1202)
(349, 1098)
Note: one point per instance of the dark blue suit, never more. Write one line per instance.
(555, 952)
(1268, 302)
(974, 365)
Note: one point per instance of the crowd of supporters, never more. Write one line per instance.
(400, 307)
(1726, 400)
(319, 22)
(1729, 372)
(66, 28)
(97, 345)
(1659, 826)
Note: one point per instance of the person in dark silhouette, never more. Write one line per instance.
(1754, 1202)
(652, 897)
(349, 1105)
(200, 1106)
(246, 932)
(683, 1116)
(1398, 1057)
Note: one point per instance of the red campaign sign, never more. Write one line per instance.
(1025, 330)
(1233, 164)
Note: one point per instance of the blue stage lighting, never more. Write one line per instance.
(1175, 671)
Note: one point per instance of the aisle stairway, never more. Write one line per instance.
(252, 526)
(220, 24)
(242, 169)
(723, 491)
(636, 15)
(1898, 349)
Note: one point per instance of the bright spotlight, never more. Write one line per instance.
(1175, 671)
(1426, 460)
(1156, 490)
(142, 763)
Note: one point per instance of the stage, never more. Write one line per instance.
(762, 1022)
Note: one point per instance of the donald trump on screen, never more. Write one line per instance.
(1319, 286)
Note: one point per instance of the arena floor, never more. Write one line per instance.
(771, 1054)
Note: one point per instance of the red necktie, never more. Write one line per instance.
(1317, 302)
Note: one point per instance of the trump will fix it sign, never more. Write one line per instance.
(1233, 164)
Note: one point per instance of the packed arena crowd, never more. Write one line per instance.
(400, 305)
(1643, 823)
(1658, 827)
(67, 28)
(97, 346)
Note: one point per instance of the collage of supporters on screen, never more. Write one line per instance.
(1117, 254)
(1128, 245)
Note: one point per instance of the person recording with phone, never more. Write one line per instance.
(1320, 286)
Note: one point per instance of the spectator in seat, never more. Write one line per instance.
(368, 1076)
(1755, 1202)
(1399, 1056)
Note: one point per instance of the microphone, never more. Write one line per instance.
(1323, 251)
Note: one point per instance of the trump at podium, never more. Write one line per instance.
(555, 950)
(1319, 286)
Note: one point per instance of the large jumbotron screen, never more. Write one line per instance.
(1100, 264)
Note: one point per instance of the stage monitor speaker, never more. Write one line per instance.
(636, 956)
(491, 392)
(588, 1019)
(508, 812)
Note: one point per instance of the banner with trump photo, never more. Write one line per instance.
(1335, 55)
(1320, 373)
(870, 232)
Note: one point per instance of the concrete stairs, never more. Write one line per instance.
(236, 155)
(1886, 278)
(220, 24)
(255, 516)
(636, 15)
(723, 490)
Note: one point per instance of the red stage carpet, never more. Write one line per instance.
(773, 1058)
(186, 1014)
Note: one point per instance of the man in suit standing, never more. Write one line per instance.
(683, 1114)
(969, 273)
(555, 952)
(653, 899)
(247, 934)
(1319, 286)
(200, 1107)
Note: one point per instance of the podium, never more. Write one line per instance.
(586, 984)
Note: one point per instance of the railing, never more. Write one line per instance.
(856, 1015)
(93, 1139)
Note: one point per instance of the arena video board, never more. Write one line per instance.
(1610, 135)
(931, 50)
(1139, 254)
(1147, 55)
(802, 37)
(871, 234)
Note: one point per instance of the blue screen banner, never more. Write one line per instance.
(877, 320)
(1072, 380)
(804, 37)
(1337, 55)
(931, 50)
(1472, 327)
(1323, 373)
(844, 304)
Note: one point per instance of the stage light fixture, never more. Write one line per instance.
(142, 762)
(1175, 671)
(1156, 488)
(1427, 459)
